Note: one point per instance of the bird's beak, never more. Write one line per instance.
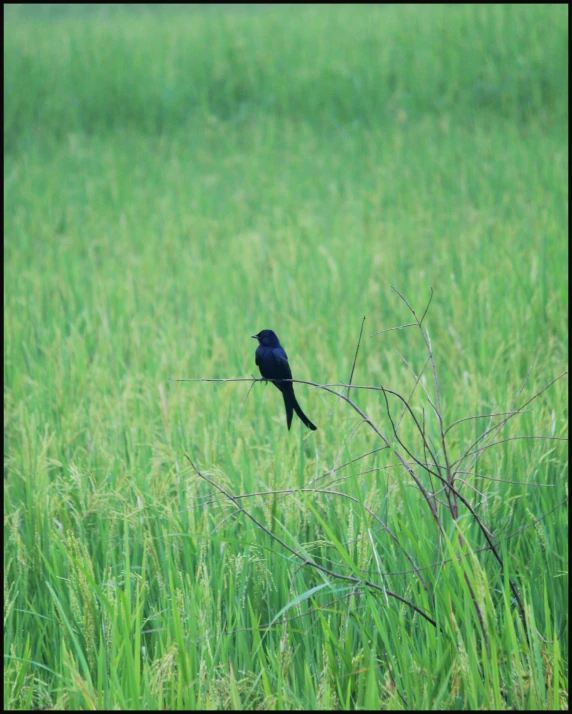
(254, 336)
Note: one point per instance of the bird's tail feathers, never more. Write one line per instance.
(300, 413)
(289, 409)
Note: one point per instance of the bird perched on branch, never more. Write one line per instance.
(272, 362)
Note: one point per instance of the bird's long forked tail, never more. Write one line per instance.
(291, 404)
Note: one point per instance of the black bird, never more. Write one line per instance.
(272, 362)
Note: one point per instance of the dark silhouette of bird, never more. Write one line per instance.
(272, 362)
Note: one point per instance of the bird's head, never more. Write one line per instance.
(267, 338)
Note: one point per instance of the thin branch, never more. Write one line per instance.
(417, 381)
(427, 308)
(354, 363)
(352, 404)
(389, 329)
(450, 478)
(484, 548)
(243, 403)
(418, 378)
(313, 564)
(345, 446)
(357, 458)
(328, 492)
(497, 427)
(512, 438)
(408, 469)
(505, 480)
(483, 416)
(476, 490)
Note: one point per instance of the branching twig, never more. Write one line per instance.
(446, 473)
(497, 427)
(510, 438)
(306, 561)
(482, 416)
(354, 363)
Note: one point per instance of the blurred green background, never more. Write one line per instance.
(179, 177)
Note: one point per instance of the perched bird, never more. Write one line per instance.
(273, 364)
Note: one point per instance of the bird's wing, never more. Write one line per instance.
(282, 365)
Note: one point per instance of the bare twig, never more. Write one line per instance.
(389, 329)
(306, 561)
(328, 492)
(354, 363)
(244, 402)
(357, 458)
(446, 474)
(506, 480)
(417, 381)
(351, 403)
(511, 438)
(497, 427)
(483, 416)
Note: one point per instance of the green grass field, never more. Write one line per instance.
(178, 178)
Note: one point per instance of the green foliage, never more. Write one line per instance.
(179, 178)
(157, 72)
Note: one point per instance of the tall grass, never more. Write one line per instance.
(157, 72)
(177, 180)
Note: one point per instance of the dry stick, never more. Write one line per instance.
(354, 364)
(450, 477)
(486, 547)
(425, 452)
(398, 455)
(389, 329)
(378, 519)
(458, 495)
(329, 492)
(243, 403)
(407, 407)
(417, 381)
(425, 466)
(511, 438)
(436, 384)
(410, 324)
(497, 427)
(337, 468)
(305, 560)
(439, 467)
(468, 452)
(352, 404)
(505, 480)
(482, 416)
(344, 447)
